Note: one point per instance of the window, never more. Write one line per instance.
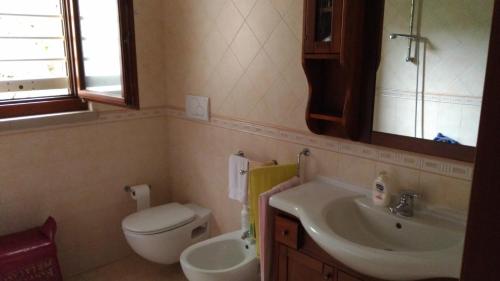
(57, 54)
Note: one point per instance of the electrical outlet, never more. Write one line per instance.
(197, 107)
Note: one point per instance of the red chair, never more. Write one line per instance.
(30, 255)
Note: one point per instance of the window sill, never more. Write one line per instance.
(46, 120)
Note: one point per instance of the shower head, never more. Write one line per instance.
(407, 36)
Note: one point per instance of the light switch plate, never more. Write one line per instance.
(197, 107)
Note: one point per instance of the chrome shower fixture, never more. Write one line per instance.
(396, 35)
(410, 37)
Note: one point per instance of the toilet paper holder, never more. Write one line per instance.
(128, 189)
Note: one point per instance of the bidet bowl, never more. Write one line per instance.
(225, 257)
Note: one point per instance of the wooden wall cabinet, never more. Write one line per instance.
(323, 28)
(332, 61)
(297, 257)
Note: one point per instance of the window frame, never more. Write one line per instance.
(78, 97)
(130, 97)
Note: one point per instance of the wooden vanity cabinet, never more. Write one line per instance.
(296, 257)
(295, 266)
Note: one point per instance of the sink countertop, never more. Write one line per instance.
(314, 195)
(310, 203)
(322, 190)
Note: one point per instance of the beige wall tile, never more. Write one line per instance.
(400, 178)
(263, 19)
(282, 47)
(445, 192)
(244, 6)
(229, 21)
(293, 17)
(282, 6)
(262, 72)
(77, 176)
(245, 46)
(357, 170)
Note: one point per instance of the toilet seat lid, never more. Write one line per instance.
(158, 219)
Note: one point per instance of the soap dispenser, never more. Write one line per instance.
(381, 194)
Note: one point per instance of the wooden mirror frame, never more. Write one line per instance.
(372, 57)
(482, 243)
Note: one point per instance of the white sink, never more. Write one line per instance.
(371, 240)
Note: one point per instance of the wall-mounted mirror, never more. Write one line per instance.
(431, 75)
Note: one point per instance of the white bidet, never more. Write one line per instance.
(222, 258)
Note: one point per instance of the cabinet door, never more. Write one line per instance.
(294, 266)
(322, 26)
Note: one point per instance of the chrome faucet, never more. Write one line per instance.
(245, 235)
(405, 206)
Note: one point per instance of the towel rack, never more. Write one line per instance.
(304, 152)
(242, 154)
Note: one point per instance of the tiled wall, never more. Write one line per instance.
(452, 62)
(77, 172)
(454, 116)
(245, 56)
(77, 175)
(198, 155)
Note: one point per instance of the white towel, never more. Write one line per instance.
(238, 183)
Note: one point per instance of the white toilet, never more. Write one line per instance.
(161, 233)
(223, 258)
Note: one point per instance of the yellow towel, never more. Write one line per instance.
(261, 180)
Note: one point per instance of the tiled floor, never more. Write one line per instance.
(133, 268)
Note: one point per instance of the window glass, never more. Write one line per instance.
(33, 61)
(101, 47)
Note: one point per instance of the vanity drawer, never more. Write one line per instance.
(286, 231)
(346, 277)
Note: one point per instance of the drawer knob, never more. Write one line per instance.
(284, 232)
(327, 276)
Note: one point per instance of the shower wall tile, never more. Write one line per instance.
(455, 117)
(451, 71)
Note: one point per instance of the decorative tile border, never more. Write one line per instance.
(396, 157)
(431, 97)
(112, 116)
(75, 119)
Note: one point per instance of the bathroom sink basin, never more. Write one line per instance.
(370, 239)
(357, 221)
